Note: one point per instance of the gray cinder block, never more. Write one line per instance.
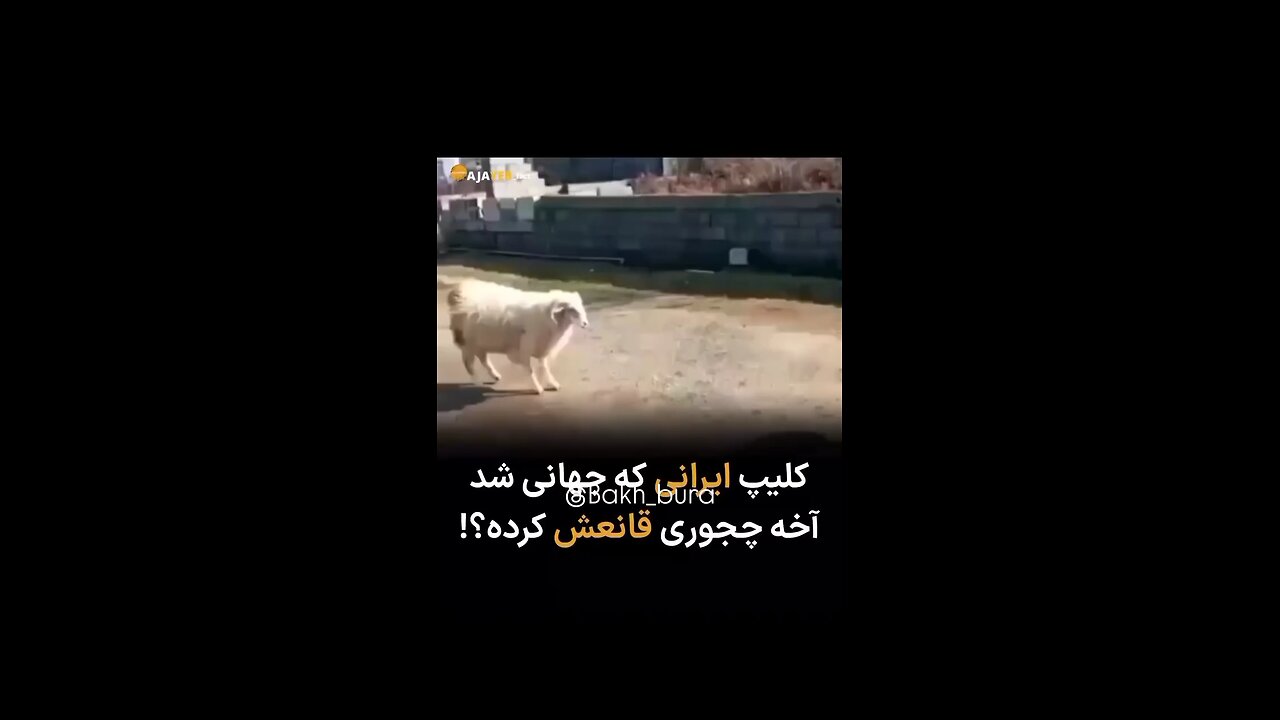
(749, 236)
(662, 217)
(816, 219)
(524, 208)
(789, 201)
(778, 242)
(510, 226)
(464, 210)
(692, 218)
(518, 242)
(801, 236)
(508, 207)
(835, 235)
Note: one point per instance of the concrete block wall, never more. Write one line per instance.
(591, 170)
(794, 232)
(500, 210)
(460, 209)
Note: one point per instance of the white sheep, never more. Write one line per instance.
(489, 318)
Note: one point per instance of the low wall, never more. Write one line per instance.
(793, 232)
(592, 170)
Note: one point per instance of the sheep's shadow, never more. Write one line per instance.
(456, 396)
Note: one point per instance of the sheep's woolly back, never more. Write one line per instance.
(478, 295)
(470, 294)
(487, 317)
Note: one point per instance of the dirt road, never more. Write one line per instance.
(661, 361)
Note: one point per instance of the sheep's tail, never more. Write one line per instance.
(454, 299)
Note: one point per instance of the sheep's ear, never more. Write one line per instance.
(557, 309)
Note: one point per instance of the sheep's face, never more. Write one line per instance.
(568, 309)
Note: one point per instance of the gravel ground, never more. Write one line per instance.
(760, 364)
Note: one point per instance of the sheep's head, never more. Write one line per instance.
(567, 309)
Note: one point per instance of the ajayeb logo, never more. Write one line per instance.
(460, 172)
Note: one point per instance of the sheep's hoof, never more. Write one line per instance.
(553, 386)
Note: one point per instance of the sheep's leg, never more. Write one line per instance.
(526, 362)
(546, 372)
(488, 365)
(469, 361)
(524, 358)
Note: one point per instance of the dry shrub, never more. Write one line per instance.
(748, 175)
